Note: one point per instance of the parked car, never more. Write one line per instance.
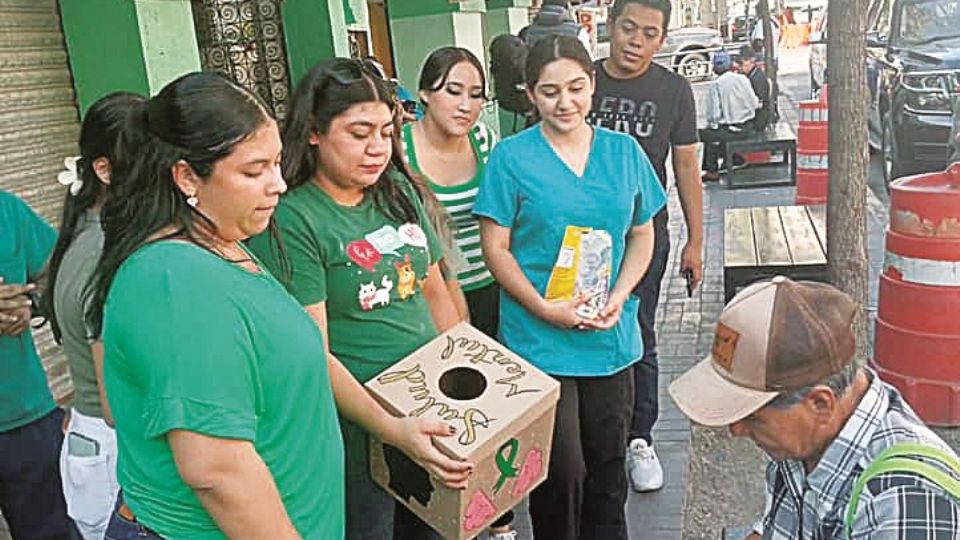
(913, 73)
(686, 50)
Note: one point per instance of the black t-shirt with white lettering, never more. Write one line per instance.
(656, 108)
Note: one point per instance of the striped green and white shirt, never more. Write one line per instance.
(458, 201)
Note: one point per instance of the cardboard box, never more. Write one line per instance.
(503, 409)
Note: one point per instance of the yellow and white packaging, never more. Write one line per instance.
(583, 268)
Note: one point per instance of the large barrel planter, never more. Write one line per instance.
(917, 346)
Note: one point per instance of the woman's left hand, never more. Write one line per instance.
(414, 436)
(609, 315)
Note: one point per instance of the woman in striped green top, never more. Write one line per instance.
(448, 149)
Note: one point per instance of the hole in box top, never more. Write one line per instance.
(463, 383)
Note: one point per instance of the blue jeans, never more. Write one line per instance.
(646, 372)
(31, 496)
(121, 528)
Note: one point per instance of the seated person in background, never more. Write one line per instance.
(784, 371)
(730, 109)
(760, 84)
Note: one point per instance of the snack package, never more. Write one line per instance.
(583, 267)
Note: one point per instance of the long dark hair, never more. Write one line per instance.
(552, 48)
(437, 66)
(199, 118)
(326, 92)
(98, 138)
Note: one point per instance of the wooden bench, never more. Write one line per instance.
(776, 138)
(762, 242)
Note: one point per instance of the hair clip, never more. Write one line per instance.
(69, 177)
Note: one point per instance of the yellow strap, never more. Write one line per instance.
(902, 458)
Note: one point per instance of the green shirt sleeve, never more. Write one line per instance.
(307, 279)
(38, 239)
(187, 341)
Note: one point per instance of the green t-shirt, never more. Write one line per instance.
(26, 242)
(193, 342)
(368, 269)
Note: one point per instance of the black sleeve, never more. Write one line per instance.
(761, 87)
(684, 131)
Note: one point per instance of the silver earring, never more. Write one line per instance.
(193, 201)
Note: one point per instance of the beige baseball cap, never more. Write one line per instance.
(774, 336)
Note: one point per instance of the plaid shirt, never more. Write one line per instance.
(893, 506)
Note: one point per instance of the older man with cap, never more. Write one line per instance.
(850, 457)
(730, 108)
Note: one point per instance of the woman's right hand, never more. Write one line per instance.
(414, 436)
(562, 314)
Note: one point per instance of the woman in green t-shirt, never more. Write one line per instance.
(364, 256)
(215, 376)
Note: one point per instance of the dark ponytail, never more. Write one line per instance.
(98, 137)
(199, 119)
(326, 92)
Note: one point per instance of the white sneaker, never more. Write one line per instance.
(509, 535)
(643, 467)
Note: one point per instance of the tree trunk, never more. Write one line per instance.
(763, 12)
(846, 210)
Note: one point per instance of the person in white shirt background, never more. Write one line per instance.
(731, 106)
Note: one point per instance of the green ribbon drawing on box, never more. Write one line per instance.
(505, 462)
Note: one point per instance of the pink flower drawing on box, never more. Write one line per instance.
(479, 510)
(532, 467)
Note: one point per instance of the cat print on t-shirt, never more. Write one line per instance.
(391, 265)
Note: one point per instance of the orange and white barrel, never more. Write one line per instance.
(812, 152)
(917, 347)
(813, 175)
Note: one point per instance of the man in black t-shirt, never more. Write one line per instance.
(656, 106)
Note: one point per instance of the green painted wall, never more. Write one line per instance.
(121, 45)
(314, 30)
(358, 8)
(103, 42)
(416, 8)
(169, 40)
(501, 4)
